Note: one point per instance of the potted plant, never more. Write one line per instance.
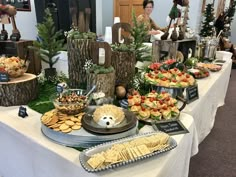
(49, 44)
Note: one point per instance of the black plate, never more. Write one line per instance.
(90, 125)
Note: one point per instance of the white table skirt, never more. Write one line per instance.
(26, 152)
(212, 92)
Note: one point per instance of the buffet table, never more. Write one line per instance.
(212, 92)
(28, 153)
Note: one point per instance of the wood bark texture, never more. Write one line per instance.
(124, 65)
(19, 91)
(115, 32)
(95, 53)
(103, 82)
(78, 51)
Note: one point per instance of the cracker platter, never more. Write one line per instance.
(125, 151)
(68, 130)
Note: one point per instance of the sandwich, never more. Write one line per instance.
(143, 113)
(155, 114)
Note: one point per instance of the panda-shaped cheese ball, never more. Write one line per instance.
(108, 116)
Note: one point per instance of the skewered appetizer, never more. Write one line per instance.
(153, 106)
(172, 78)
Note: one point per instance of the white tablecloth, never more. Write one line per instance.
(25, 152)
(212, 92)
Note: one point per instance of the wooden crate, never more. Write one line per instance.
(20, 48)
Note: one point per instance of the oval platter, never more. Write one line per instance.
(86, 154)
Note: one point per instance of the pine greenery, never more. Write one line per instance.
(208, 24)
(139, 33)
(50, 41)
(229, 16)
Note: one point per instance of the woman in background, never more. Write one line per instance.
(147, 20)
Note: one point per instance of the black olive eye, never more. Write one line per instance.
(108, 123)
(110, 118)
(104, 117)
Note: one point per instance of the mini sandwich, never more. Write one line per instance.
(149, 77)
(190, 79)
(152, 94)
(155, 114)
(174, 111)
(171, 101)
(149, 103)
(165, 83)
(144, 113)
(166, 74)
(163, 95)
(173, 83)
(135, 108)
(180, 77)
(136, 97)
(184, 84)
(131, 101)
(166, 113)
(175, 71)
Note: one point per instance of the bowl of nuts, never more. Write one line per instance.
(71, 101)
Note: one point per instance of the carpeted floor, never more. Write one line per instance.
(217, 153)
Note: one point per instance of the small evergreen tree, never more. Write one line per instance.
(139, 32)
(229, 16)
(208, 24)
(50, 41)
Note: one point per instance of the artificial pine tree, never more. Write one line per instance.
(229, 15)
(139, 33)
(49, 43)
(208, 24)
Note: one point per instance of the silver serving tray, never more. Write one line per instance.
(86, 154)
(82, 138)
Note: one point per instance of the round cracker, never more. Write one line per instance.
(53, 120)
(69, 122)
(75, 127)
(68, 130)
(78, 123)
(63, 126)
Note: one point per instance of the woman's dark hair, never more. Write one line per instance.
(145, 2)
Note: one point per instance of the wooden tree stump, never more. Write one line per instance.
(78, 51)
(124, 65)
(103, 82)
(19, 91)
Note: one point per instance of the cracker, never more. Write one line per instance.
(63, 126)
(69, 122)
(46, 119)
(75, 127)
(61, 122)
(56, 129)
(143, 149)
(78, 123)
(53, 120)
(68, 130)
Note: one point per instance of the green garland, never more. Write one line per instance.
(98, 69)
(74, 33)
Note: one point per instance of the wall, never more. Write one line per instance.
(233, 30)
(104, 9)
(26, 23)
